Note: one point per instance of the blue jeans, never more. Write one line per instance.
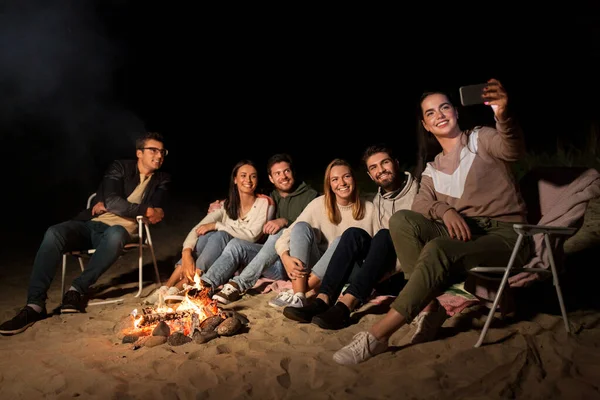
(304, 247)
(208, 248)
(360, 261)
(69, 236)
(259, 259)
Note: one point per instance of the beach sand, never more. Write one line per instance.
(527, 356)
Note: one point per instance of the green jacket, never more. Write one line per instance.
(291, 206)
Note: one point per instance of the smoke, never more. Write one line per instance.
(61, 121)
(58, 110)
(56, 78)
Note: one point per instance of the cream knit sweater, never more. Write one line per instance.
(315, 214)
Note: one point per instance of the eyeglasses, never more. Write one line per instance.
(155, 150)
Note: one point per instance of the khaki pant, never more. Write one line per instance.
(432, 261)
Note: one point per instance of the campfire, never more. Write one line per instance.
(176, 320)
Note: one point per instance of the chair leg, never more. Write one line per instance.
(488, 321)
(151, 246)
(140, 270)
(556, 284)
(64, 271)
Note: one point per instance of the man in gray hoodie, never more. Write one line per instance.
(359, 260)
(291, 197)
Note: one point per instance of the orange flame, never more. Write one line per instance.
(199, 304)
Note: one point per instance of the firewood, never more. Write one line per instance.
(148, 319)
(229, 327)
(211, 323)
(204, 337)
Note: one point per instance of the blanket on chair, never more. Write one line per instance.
(559, 205)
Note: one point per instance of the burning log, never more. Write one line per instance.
(196, 318)
(149, 319)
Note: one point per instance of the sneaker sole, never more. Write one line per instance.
(277, 305)
(288, 312)
(221, 300)
(69, 311)
(321, 324)
(15, 331)
(174, 297)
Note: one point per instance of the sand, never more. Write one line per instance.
(528, 355)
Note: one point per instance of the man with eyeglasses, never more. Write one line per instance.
(129, 188)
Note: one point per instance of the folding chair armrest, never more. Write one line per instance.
(529, 230)
(144, 226)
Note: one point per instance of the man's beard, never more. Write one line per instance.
(389, 181)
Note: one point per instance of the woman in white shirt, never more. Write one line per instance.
(242, 216)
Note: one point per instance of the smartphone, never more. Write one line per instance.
(472, 94)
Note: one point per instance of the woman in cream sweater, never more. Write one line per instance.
(308, 243)
(242, 216)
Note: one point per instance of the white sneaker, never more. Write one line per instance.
(173, 294)
(297, 301)
(153, 297)
(363, 346)
(287, 299)
(427, 324)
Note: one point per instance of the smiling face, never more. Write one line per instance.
(342, 184)
(439, 116)
(281, 177)
(246, 179)
(151, 156)
(383, 170)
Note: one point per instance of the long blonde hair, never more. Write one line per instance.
(333, 212)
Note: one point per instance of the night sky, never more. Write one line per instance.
(80, 80)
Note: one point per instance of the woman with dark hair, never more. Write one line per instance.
(306, 246)
(242, 216)
(462, 217)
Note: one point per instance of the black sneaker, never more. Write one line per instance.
(23, 320)
(72, 302)
(336, 317)
(306, 313)
(229, 293)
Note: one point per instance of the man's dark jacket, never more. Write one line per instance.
(119, 181)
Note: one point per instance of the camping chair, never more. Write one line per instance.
(142, 242)
(556, 198)
(527, 230)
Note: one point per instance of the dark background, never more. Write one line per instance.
(79, 80)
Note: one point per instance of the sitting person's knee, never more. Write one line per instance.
(401, 220)
(118, 235)
(354, 233)
(301, 226)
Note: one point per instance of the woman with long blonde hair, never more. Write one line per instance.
(305, 247)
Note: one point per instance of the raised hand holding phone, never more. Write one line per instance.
(491, 93)
(494, 95)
